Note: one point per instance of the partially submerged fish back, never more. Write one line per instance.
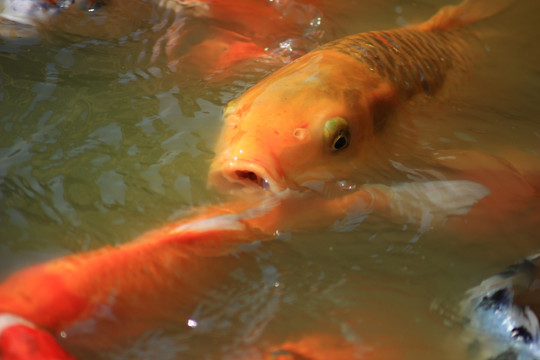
(414, 61)
(465, 13)
(417, 59)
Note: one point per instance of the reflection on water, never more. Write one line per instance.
(99, 143)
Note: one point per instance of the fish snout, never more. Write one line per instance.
(241, 176)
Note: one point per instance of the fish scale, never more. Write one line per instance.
(414, 60)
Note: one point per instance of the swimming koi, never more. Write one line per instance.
(325, 117)
(500, 314)
(311, 123)
(202, 38)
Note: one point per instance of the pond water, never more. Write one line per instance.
(100, 143)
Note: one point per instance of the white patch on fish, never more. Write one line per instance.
(423, 203)
(440, 199)
(28, 12)
(232, 222)
(221, 222)
(9, 320)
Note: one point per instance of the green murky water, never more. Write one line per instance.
(99, 144)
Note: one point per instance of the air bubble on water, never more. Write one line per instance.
(345, 185)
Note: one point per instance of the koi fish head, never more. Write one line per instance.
(302, 127)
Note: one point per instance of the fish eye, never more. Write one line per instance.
(337, 134)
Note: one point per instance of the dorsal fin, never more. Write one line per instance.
(468, 12)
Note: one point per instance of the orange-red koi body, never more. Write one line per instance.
(163, 267)
(234, 31)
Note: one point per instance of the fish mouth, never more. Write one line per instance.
(241, 176)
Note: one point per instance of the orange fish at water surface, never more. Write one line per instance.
(331, 121)
(230, 32)
(290, 147)
(324, 117)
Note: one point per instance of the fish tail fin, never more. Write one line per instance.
(468, 12)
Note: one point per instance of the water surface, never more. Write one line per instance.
(99, 143)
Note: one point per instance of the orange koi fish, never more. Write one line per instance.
(205, 37)
(312, 124)
(323, 117)
(97, 299)
(236, 30)
(326, 347)
(329, 122)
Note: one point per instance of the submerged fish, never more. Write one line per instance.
(501, 314)
(201, 38)
(33, 12)
(309, 124)
(220, 34)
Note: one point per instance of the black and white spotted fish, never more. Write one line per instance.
(31, 12)
(502, 314)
